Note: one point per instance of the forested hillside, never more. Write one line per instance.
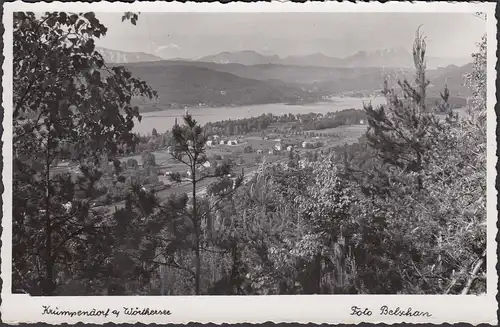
(180, 86)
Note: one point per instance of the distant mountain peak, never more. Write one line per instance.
(123, 57)
(243, 57)
(248, 51)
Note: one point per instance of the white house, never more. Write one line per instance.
(222, 142)
(305, 144)
(361, 122)
(209, 143)
(259, 151)
(207, 164)
(289, 148)
(272, 151)
(278, 146)
(216, 137)
(230, 143)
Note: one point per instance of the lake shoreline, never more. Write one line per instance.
(238, 106)
(165, 119)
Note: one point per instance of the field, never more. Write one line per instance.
(343, 134)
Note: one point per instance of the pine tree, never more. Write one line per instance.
(434, 232)
(402, 131)
(189, 148)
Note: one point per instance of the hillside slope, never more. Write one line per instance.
(327, 81)
(286, 73)
(181, 86)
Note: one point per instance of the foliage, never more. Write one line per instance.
(132, 16)
(477, 82)
(148, 159)
(403, 131)
(437, 229)
(65, 100)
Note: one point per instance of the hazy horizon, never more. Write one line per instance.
(194, 35)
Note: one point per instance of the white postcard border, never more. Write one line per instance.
(331, 309)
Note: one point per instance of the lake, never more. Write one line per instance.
(164, 120)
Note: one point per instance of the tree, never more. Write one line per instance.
(154, 133)
(402, 131)
(477, 82)
(189, 149)
(288, 222)
(148, 159)
(430, 238)
(132, 163)
(81, 103)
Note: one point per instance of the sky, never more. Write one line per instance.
(194, 35)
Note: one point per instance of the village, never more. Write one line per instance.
(242, 145)
(154, 167)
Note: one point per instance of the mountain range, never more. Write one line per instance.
(393, 58)
(388, 58)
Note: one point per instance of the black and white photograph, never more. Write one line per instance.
(185, 153)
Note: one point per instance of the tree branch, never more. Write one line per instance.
(473, 274)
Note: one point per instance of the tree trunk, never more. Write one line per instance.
(317, 273)
(48, 287)
(235, 279)
(311, 279)
(473, 274)
(196, 224)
